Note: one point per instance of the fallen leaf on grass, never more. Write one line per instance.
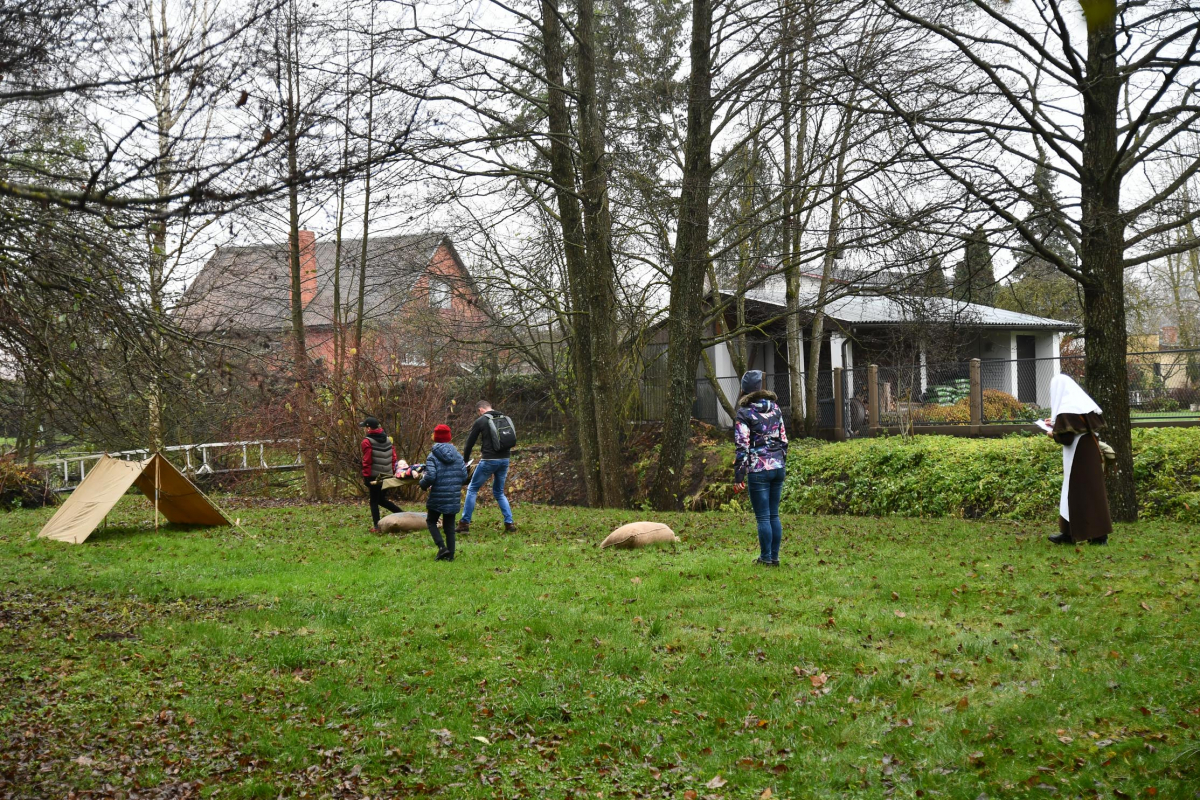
(962, 704)
(483, 739)
(635, 581)
(767, 794)
(895, 596)
(84, 761)
(819, 680)
(716, 783)
(900, 614)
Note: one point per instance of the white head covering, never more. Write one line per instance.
(1066, 397)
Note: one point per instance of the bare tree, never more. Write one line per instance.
(1098, 92)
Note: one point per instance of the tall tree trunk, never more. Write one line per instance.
(301, 367)
(710, 373)
(1102, 254)
(31, 422)
(360, 310)
(1189, 264)
(157, 270)
(562, 172)
(685, 319)
(601, 270)
(162, 54)
(339, 333)
(792, 323)
(792, 227)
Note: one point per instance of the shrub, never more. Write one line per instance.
(1185, 396)
(1162, 404)
(959, 413)
(23, 487)
(998, 405)
(1016, 477)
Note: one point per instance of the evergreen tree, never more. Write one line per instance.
(975, 277)
(934, 283)
(1036, 286)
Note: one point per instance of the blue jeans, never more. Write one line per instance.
(764, 489)
(484, 470)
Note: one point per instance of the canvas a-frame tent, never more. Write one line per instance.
(172, 494)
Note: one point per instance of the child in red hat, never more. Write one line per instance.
(444, 476)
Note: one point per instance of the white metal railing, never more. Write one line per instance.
(74, 468)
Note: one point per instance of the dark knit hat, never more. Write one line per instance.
(752, 381)
(370, 422)
(441, 433)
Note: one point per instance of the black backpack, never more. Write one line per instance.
(504, 434)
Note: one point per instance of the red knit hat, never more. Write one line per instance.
(441, 433)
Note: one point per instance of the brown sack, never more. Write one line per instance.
(402, 521)
(640, 534)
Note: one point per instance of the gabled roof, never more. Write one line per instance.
(249, 288)
(908, 310)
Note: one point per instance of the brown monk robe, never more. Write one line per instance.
(1086, 498)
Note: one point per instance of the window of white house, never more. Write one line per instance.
(439, 294)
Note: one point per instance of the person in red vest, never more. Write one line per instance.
(378, 462)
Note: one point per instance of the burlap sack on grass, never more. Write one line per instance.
(640, 534)
(402, 521)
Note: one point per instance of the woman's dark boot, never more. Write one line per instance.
(1099, 540)
(1061, 538)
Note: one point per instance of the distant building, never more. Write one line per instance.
(417, 296)
(872, 321)
(1162, 371)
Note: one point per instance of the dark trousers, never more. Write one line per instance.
(377, 500)
(431, 521)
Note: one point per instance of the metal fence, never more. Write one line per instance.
(66, 471)
(933, 394)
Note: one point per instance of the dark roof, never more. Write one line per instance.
(248, 288)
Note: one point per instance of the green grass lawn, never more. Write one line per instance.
(307, 657)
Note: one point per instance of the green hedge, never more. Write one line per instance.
(1017, 477)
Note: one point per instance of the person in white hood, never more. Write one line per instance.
(1076, 421)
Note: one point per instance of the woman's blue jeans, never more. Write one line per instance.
(764, 489)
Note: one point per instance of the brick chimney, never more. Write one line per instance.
(1168, 336)
(308, 267)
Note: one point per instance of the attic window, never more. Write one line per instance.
(439, 294)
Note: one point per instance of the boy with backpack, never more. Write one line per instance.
(496, 436)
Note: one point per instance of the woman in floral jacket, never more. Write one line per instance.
(761, 442)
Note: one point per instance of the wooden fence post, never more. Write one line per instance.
(839, 407)
(976, 394)
(872, 397)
